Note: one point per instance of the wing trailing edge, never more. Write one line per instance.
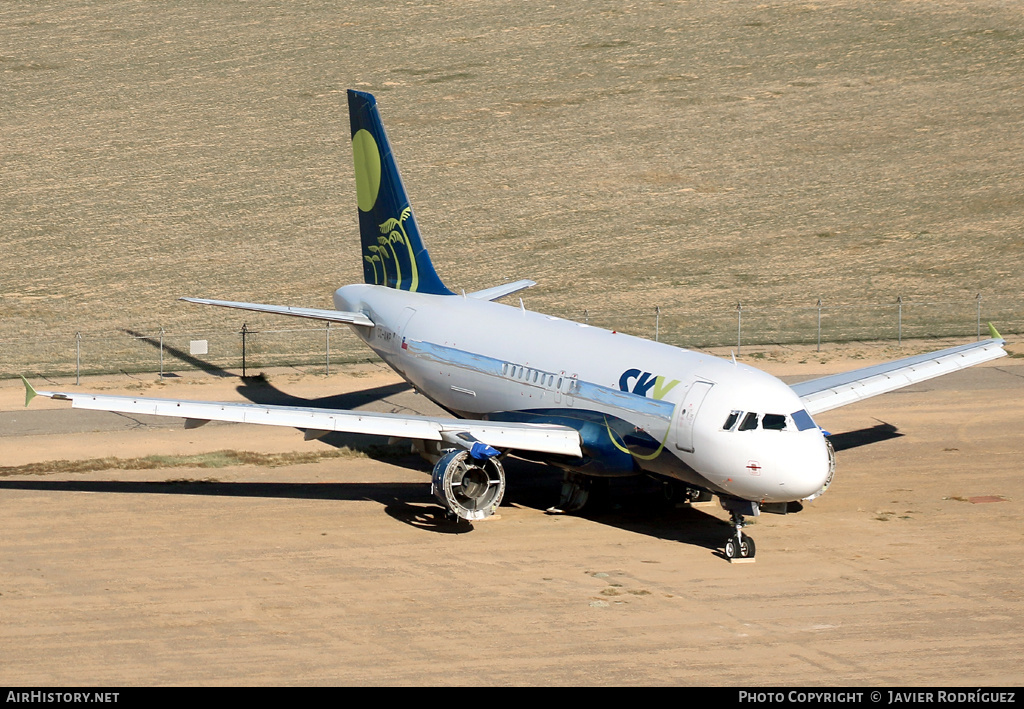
(540, 438)
(838, 390)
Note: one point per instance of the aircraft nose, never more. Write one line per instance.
(828, 472)
(777, 469)
(811, 471)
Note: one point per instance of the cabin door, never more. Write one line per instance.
(688, 414)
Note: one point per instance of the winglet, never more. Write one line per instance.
(30, 392)
(993, 332)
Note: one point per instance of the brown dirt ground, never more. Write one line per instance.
(341, 572)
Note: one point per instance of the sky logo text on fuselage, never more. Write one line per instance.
(646, 384)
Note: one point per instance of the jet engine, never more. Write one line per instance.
(468, 487)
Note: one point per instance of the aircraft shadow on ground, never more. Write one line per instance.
(260, 391)
(864, 436)
(633, 503)
(407, 502)
(638, 505)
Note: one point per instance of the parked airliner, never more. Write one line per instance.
(592, 402)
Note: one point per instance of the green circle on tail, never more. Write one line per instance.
(367, 159)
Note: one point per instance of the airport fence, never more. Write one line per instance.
(247, 347)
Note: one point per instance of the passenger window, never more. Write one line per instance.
(731, 421)
(774, 422)
(749, 422)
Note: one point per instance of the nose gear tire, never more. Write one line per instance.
(742, 548)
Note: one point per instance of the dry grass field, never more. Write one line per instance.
(625, 155)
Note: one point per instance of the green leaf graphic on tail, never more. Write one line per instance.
(396, 234)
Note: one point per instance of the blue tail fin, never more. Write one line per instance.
(393, 252)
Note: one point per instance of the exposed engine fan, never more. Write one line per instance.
(470, 488)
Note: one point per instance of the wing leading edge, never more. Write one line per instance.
(841, 389)
(540, 438)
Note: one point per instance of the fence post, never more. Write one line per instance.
(739, 326)
(161, 353)
(657, 322)
(899, 321)
(819, 324)
(979, 316)
(586, 316)
(327, 364)
(245, 331)
(78, 358)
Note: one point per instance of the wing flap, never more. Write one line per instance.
(340, 316)
(541, 438)
(838, 390)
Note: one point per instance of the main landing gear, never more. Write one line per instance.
(579, 492)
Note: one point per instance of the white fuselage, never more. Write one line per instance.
(727, 427)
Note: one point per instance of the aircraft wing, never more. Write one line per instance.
(841, 389)
(541, 438)
(341, 316)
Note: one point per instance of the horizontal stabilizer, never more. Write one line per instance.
(501, 291)
(841, 389)
(310, 313)
(540, 438)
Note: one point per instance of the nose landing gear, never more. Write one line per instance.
(739, 547)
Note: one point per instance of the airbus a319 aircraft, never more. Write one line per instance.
(591, 402)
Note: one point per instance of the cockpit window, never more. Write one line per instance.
(769, 422)
(749, 422)
(803, 421)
